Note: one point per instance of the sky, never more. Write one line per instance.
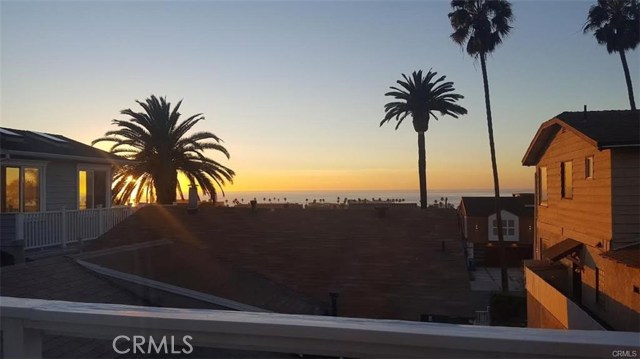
(296, 88)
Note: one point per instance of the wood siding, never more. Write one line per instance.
(61, 185)
(619, 306)
(587, 216)
(625, 192)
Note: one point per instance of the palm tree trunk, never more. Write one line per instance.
(422, 170)
(496, 182)
(165, 183)
(627, 77)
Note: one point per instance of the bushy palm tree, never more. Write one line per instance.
(616, 24)
(482, 25)
(421, 97)
(157, 141)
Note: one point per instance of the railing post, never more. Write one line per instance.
(64, 227)
(20, 226)
(101, 228)
(20, 342)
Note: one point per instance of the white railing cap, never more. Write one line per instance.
(311, 334)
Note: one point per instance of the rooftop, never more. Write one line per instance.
(391, 267)
(29, 144)
(603, 129)
(485, 206)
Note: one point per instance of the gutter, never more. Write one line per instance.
(122, 161)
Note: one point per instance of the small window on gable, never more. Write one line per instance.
(588, 167)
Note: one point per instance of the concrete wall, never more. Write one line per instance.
(548, 306)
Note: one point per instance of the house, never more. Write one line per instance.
(480, 232)
(587, 225)
(42, 175)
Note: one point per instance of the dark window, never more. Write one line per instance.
(566, 171)
(542, 185)
(588, 167)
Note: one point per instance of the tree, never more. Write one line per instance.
(616, 24)
(421, 97)
(482, 24)
(157, 143)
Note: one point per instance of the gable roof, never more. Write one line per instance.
(602, 129)
(23, 144)
(521, 206)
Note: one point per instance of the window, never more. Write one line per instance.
(508, 227)
(92, 189)
(566, 172)
(20, 189)
(600, 297)
(588, 167)
(542, 185)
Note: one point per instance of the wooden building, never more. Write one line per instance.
(480, 233)
(588, 212)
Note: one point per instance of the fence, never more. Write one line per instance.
(58, 228)
(26, 321)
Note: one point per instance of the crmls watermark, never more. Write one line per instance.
(139, 344)
(624, 354)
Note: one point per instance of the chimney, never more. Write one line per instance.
(584, 113)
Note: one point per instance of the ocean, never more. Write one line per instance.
(333, 196)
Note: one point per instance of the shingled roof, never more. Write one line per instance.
(392, 267)
(603, 129)
(61, 278)
(629, 256)
(30, 144)
(485, 206)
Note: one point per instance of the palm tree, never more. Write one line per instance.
(157, 143)
(421, 97)
(482, 24)
(616, 24)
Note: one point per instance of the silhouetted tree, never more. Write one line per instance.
(482, 25)
(616, 24)
(421, 97)
(157, 143)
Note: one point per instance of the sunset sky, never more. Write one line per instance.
(296, 89)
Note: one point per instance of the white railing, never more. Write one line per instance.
(58, 228)
(26, 321)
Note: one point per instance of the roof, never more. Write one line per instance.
(23, 144)
(61, 278)
(602, 129)
(561, 249)
(521, 206)
(187, 266)
(391, 267)
(629, 255)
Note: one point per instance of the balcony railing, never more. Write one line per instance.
(26, 321)
(58, 228)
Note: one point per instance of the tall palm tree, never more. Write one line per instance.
(421, 97)
(158, 143)
(482, 24)
(616, 24)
